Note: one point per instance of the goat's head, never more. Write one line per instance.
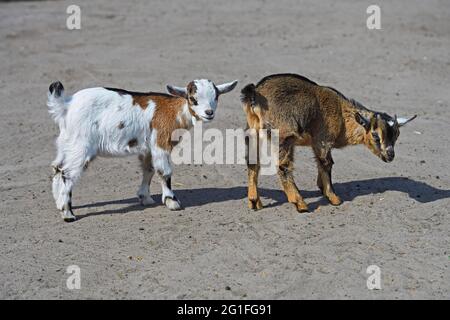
(382, 132)
(202, 96)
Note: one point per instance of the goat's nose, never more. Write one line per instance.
(390, 153)
(209, 112)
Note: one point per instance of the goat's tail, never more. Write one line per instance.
(255, 114)
(248, 95)
(57, 106)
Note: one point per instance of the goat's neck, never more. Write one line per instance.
(187, 117)
(354, 132)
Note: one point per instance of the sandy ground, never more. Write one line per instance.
(395, 215)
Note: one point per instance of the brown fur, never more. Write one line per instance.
(307, 114)
(167, 118)
(141, 101)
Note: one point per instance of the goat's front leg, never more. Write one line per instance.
(285, 173)
(147, 175)
(324, 182)
(162, 165)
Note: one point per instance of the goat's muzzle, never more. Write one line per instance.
(389, 155)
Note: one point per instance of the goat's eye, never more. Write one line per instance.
(376, 137)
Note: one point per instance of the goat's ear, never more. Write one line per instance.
(362, 121)
(227, 87)
(177, 91)
(402, 121)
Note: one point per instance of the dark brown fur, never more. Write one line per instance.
(133, 143)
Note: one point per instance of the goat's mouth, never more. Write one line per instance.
(386, 159)
(206, 119)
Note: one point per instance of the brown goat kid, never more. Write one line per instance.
(307, 114)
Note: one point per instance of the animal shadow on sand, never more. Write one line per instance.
(419, 191)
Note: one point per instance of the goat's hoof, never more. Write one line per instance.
(255, 204)
(335, 200)
(146, 200)
(173, 204)
(301, 207)
(68, 216)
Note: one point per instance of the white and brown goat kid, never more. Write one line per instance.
(116, 122)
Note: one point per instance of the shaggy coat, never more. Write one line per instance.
(307, 114)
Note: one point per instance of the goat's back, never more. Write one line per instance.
(293, 103)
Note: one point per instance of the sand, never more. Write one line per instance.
(394, 216)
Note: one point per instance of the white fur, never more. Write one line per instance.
(90, 124)
(207, 98)
(94, 116)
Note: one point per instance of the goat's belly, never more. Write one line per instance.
(303, 140)
(123, 152)
(125, 143)
(125, 148)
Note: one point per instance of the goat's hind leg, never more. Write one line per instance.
(57, 164)
(75, 161)
(285, 173)
(253, 167)
(65, 183)
(147, 175)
